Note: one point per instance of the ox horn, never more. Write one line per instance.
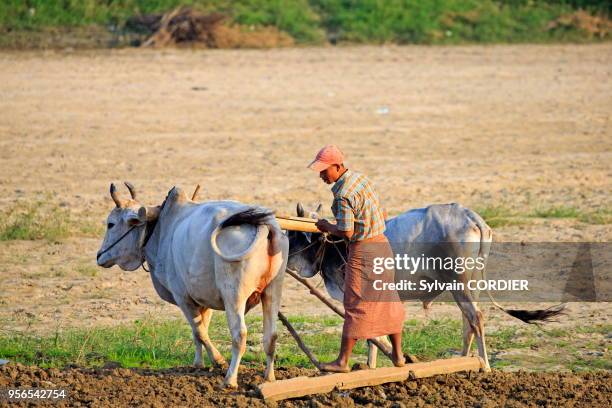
(130, 187)
(115, 197)
(195, 193)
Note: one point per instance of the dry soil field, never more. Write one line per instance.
(517, 127)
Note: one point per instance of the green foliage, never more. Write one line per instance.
(442, 21)
(365, 21)
(295, 17)
(600, 6)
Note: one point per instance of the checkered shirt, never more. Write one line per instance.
(356, 206)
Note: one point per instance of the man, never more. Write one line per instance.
(360, 219)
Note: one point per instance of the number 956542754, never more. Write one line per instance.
(20, 394)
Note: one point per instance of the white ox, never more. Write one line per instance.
(220, 255)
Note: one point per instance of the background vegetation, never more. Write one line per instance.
(357, 21)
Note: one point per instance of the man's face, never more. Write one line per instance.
(330, 174)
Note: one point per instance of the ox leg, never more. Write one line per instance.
(372, 354)
(468, 336)
(270, 303)
(236, 322)
(202, 332)
(193, 316)
(475, 320)
(480, 340)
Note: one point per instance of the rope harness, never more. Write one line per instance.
(320, 254)
(149, 229)
(117, 241)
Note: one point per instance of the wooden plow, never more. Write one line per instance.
(301, 386)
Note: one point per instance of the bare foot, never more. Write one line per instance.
(334, 368)
(399, 361)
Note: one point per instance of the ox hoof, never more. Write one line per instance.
(220, 363)
(224, 387)
(485, 370)
(198, 364)
(230, 385)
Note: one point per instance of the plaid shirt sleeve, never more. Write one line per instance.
(345, 218)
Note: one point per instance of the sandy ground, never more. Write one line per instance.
(523, 127)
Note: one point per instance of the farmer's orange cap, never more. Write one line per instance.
(327, 156)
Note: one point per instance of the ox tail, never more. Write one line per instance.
(252, 215)
(527, 316)
(260, 217)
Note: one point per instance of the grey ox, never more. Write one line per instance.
(220, 255)
(444, 230)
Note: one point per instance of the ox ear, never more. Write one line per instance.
(316, 213)
(300, 210)
(146, 214)
(133, 218)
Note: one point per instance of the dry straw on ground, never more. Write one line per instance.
(594, 26)
(187, 26)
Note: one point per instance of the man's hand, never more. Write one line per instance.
(324, 225)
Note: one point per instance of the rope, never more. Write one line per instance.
(117, 241)
(303, 249)
(320, 255)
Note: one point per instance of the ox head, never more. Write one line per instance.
(125, 231)
(303, 247)
(305, 252)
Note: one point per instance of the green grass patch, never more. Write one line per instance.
(162, 344)
(581, 364)
(557, 332)
(87, 270)
(557, 212)
(449, 21)
(598, 328)
(599, 216)
(602, 216)
(37, 220)
(294, 17)
(508, 338)
(43, 219)
(500, 216)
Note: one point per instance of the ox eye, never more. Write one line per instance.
(110, 225)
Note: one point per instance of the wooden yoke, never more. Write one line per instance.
(291, 223)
